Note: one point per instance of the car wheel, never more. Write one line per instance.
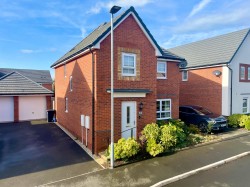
(203, 127)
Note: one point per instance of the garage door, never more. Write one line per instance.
(6, 109)
(32, 107)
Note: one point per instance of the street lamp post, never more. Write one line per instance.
(113, 10)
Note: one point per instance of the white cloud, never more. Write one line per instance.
(29, 51)
(211, 21)
(127, 3)
(199, 7)
(123, 3)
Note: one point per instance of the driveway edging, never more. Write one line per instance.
(75, 139)
(196, 171)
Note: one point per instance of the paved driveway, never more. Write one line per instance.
(34, 154)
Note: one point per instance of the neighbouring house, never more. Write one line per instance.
(24, 94)
(217, 75)
(146, 83)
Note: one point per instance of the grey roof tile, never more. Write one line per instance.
(216, 50)
(16, 84)
(39, 76)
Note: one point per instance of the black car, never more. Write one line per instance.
(202, 117)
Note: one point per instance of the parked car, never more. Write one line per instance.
(202, 117)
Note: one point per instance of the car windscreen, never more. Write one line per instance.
(202, 111)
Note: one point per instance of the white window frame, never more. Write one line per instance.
(70, 83)
(170, 111)
(247, 107)
(165, 72)
(66, 104)
(131, 55)
(65, 70)
(248, 73)
(241, 68)
(183, 78)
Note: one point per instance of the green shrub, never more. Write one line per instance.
(151, 131)
(194, 139)
(125, 148)
(161, 122)
(234, 120)
(172, 136)
(159, 139)
(244, 121)
(154, 148)
(193, 129)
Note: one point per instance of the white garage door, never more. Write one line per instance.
(32, 107)
(6, 109)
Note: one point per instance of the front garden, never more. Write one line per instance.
(161, 138)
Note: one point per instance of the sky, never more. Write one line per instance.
(36, 33)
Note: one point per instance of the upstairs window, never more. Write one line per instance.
(66, 104)
(161, 70)
(65, 70)
(70, 84)
(248, 73)
(244, 74)
(185, 75)
(128, 64)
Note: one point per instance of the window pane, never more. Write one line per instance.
(158, 106)
(184, 75)
(128, 114)
(248, 73)
(242, 72)
(161, 67)
(158, 115)
(165, 106)
(244, 102)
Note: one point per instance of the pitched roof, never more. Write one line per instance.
(39, 76)
(99, 33)
(212, 51)
(16, 84)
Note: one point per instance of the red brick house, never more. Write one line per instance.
(217, 75)
(146, 82)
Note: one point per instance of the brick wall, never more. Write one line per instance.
(79, 99)
(202, 88)
(48, 86)
(169, 88)
(125, 40)
(16, 108)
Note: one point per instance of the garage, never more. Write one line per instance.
(6, 109)
(32, 107)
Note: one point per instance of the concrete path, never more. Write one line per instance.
(149, 172)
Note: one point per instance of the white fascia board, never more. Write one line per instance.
(127, 95)
(65, 61)
(167, 59)
(157, 52)
(204, 67)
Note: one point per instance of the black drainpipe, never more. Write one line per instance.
(231, 90)
(93, 101)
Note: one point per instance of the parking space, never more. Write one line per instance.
(34, 154)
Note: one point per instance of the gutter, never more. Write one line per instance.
(231, 89)
(93, 101)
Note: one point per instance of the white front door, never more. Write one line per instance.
(128, 119)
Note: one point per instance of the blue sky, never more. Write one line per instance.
(35, 33)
